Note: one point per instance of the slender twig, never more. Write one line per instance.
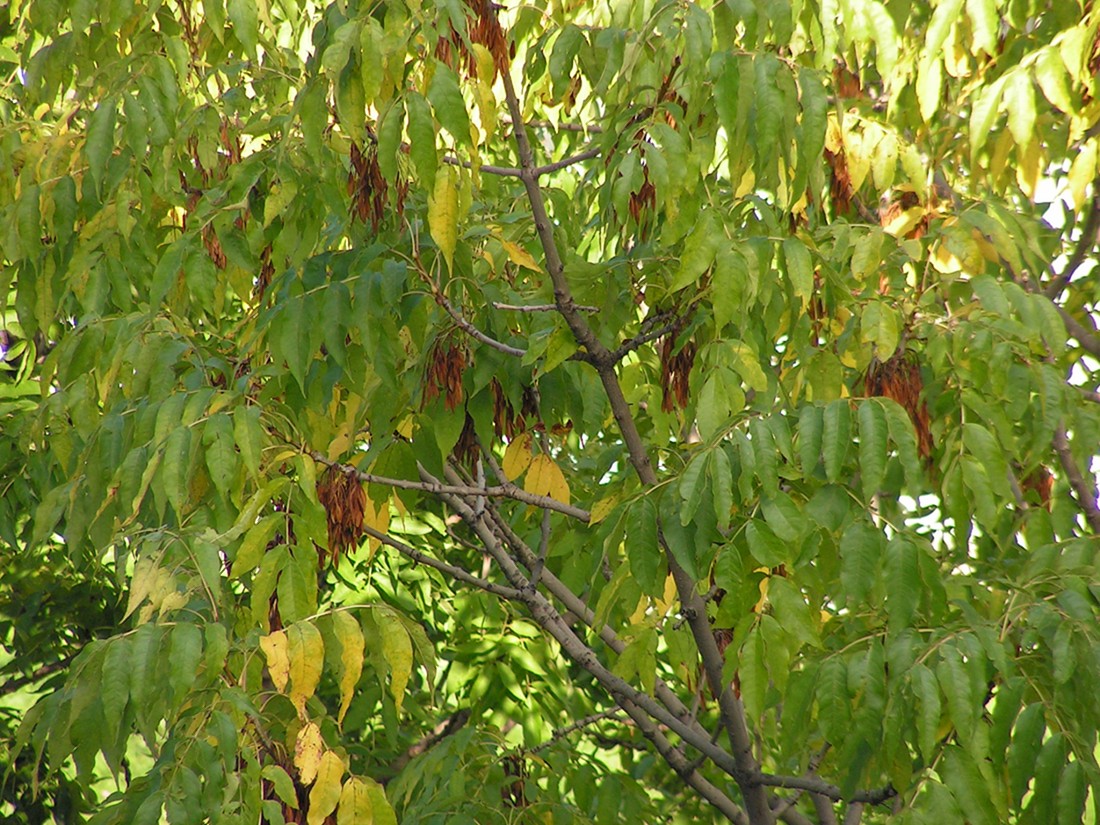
(1086, 338)
(1085, 243)
(561, 127)
(646, 335)
(1083, 490)
(441, 566)
(470, 329)
(497, 491)
(447, 727)
(1090, 395)
(539, 307)
(614, 714)
(539, 171)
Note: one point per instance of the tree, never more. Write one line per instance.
(446, 412)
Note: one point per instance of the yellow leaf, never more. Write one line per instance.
(545, 478)
(350, 636)
(601, 508)
(325, 793)
(520, 256)
(443, 214)
(1029, 167)
(397, 651)
(1082, 172)
(307, 752)
(517, 457)
(275, 649)
(900, 225)
(355, 806)
(306, 651)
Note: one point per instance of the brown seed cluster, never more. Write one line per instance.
(341, 494)
(368, 188)
(446, 363)
(1040, 482)
(899, 379)
(676, 367)
(485, 30)
(840, 181)
(230, 154)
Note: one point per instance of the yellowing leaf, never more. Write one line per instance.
(350, 636)
(901, 224)
(306, 651)
(520, 256)
(443, 214)
(1029, 168)
(545, 478)
(325, 793)
(517, 457)
(601, 508)
(274, 646)
(397, 650)
(355, 805)
(307, 752)
(1081, 173)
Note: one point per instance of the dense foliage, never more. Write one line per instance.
(434, 411)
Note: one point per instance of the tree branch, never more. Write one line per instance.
(649, 332)
(37, 675)
(469, 328)
(442, 566)
(731, 711)
(819, 786)
(539, 307)
(638, 705)
(1085, 243)
(539, 171)
(1083, 490)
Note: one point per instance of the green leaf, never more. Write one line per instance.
(971, 790)
(101, 139)
(1073, 790)
(791, 610)
(903, 583)
(879, 326)
(248, 435)
(721, 475)
(810, 430)
(176, 469)
(282, 783)
(422, 148)
(799, 268)
(246, 23)
(642, 551)
(450, 107)
(836, 437)
(255, 542)
(861, 545)
(692, 486)
(563, 54)
(765, 546)
(927, 692)
(185, 653)
(962, 705)
(753, 674)
(700, 247)
(873, 431)
(116, 683)
(784, 517)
